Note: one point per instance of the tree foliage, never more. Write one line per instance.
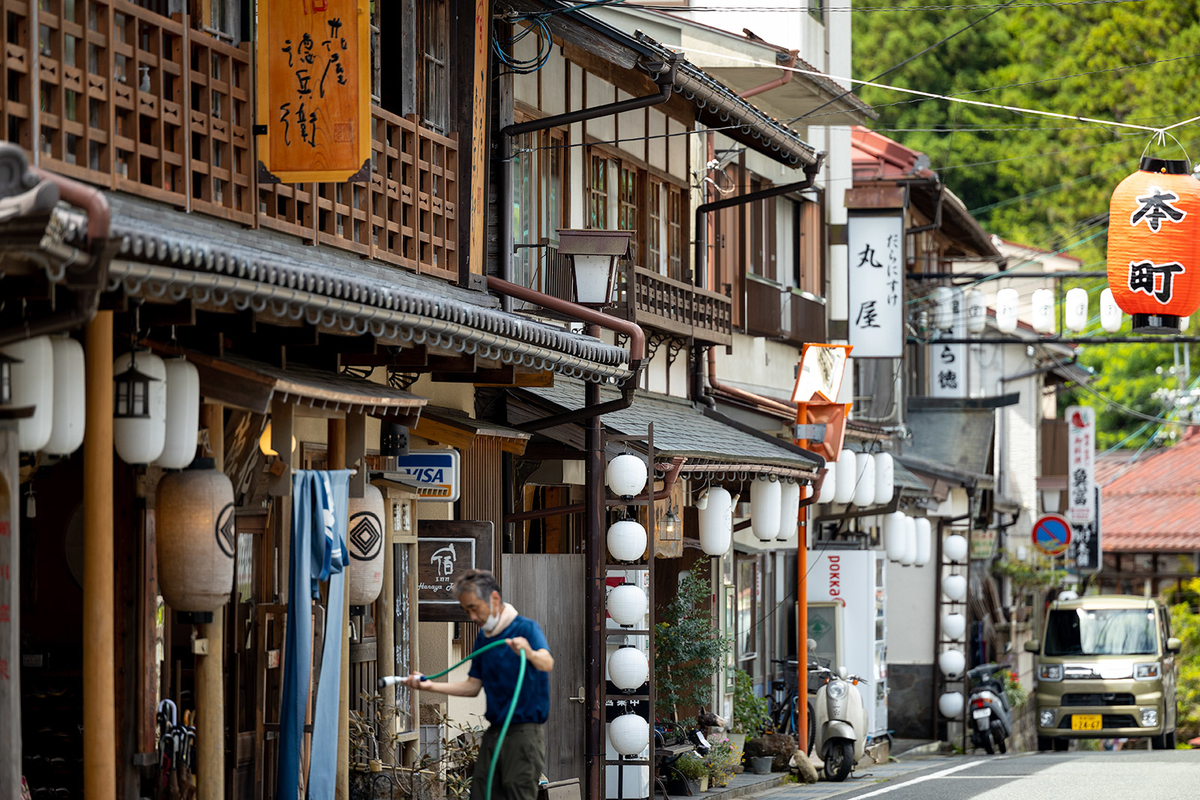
(689, 648)
(1185, 626)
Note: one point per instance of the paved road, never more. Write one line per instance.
(1129, 775)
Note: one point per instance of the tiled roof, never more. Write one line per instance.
(1154, 505)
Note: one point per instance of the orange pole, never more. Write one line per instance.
(802, 607)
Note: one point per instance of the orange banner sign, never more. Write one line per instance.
(314, 86)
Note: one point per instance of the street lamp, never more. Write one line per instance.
(593, 256)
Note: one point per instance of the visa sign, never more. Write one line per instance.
(435, 473)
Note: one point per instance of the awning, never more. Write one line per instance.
(712, 444)
(455, 428)
(958, 439)
(945, 472)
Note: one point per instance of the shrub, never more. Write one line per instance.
(751, 714)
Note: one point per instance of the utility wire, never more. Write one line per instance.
(819, 9)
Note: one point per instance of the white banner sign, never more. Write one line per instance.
(1081, 458)
(876, 289)
(948, 362)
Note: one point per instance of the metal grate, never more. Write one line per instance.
(1097, 699)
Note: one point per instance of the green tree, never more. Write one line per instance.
(689, 648)
(1185, 626)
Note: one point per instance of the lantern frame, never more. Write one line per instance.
(6, 362)
(593, 257)
(126, 405)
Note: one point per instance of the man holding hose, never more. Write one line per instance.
(523, 754)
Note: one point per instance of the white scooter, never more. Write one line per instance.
(841, 724)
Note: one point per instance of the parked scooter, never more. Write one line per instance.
(841, 722)
(988, 704)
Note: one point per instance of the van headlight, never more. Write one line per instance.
(1048, 717)
(1147, 672)
(1050, 672)
(836, 690)
(1149, 717)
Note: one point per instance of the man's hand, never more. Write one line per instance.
(416, 681)
(519, 643)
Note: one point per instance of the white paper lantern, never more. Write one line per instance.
(629, 734)
(626, 475)
(627, 604)
(847, 469)
(766, 499)
(943, 307)
(1007, 307)
(955, 587)
(951, 704)
(196, 538)
(894, 535)
(716, 521)
(626, 540)
(33, 385)
(1075, 309)
(976, 311)
(183, 414)
(789, 511)
(140, 439)
(628, 668)
(1184, 322)
(829, 485)
(924, 541)
(1110, 312)
(864, 480)
(955, 548)
(1042, 311)
(952, 663)
(910, 542)
(66, 429)
(954, 626)
(365, 541)
(885, 478)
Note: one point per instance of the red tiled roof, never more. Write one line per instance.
(1154, 504)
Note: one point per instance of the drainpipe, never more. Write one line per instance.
(788, 62)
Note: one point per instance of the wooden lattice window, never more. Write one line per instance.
(598, 193)
(628, 211)
(675, 237)
(654, 227)
(435, 73)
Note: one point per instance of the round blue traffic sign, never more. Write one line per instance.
(1052, 535)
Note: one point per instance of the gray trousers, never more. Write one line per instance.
(522, 759)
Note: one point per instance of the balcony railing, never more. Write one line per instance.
(115, 95)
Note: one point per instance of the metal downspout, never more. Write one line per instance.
(786, 77)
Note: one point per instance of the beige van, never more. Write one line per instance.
(1105, 669)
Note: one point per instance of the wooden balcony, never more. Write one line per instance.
(118, 96)
(779, 312)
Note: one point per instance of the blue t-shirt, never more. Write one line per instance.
(498, 669)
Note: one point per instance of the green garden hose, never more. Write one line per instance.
(512, 706)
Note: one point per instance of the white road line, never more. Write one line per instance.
(923, 778)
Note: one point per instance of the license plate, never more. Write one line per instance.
(1086, 722)
(981, 713)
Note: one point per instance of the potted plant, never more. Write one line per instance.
(694, 771)
(689, 647)
(721, 761)
(751, 714)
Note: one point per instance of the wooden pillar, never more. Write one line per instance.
(10, 602)
(385, 625)
(337, 460)
(280, 487)
(210, 669)
(99, 680)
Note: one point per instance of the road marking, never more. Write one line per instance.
(925, 778)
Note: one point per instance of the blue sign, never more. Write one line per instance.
(434, 473)
(1052, 535)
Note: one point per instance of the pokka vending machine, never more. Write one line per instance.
(846, 620)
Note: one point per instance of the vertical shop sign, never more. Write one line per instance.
(876, 289)
(1081, 457)
(948, 362)
(314, 113)
(1085, 553)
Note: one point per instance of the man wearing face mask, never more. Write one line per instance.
(523, 755)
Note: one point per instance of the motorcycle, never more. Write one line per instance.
(841, 722)
(990, 715)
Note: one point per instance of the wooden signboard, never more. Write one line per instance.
(445, 549)
(314, 87)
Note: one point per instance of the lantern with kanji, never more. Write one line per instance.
(1153, 271)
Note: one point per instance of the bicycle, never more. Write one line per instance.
(784, 698)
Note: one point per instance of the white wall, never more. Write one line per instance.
(911, 605)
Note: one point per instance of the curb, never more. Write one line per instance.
(757, 787)
(927, 749)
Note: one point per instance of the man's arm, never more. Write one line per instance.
(468, 688)
(540, 660)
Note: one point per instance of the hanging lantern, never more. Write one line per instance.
(1110, 312)
(183, 414)
(1007, 307)
(864, 480)
(393, 439)
(1075, 309)
(364, 541)
(766, 497)
(33, 385)
(924, 541)
(6, 367)
(943, 308)
(1184, 322)
(629, 734)
(955, 587)
(140, 407)
(628, 668)
(264, 442)
(976, 311)
(626, 475)
(954, 626)
(626, 540)
(670, 524)
(847, 469)
(894, 535)
(1154, 219)
(885, 478)
(910, 542)
(951, 704)
(1042, 313)
(829, 485)
(716, 521)
(952, 663)
(789, 511)
(66, 430)
(627, 604)
(955, 548)
(196, 537)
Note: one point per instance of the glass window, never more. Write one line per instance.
(627, 212)
(746, 628)
(525, 211)
(435, 83)
(1101, 632)
(675, 233)
(598, 193)
(654, 228)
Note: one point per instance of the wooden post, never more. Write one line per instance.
(99, 680)
(477, 252)
(210, 669)
(385, 622)
(280, 488)
(337, 460)
(10, 611)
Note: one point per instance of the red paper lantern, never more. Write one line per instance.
(1153, 224)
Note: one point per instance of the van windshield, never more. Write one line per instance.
(1101, 632)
